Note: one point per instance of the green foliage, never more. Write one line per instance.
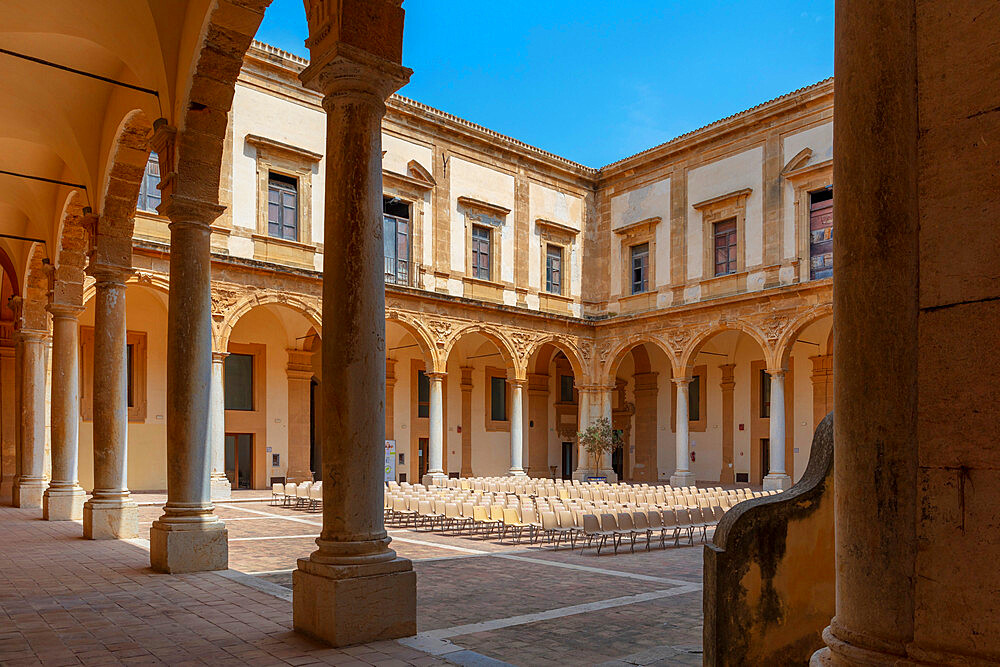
(599, 439)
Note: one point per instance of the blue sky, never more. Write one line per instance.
(596, 80)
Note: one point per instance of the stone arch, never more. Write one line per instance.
(412, 326)
(125, 169)
(7, 267)
(32, 315)
(685, 361)
(625, 347)
(791, 332)
(495, 336)
(307, 307)
(154, 281)
(567, 348)
(72, 246)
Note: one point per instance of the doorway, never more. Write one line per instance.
(239, 460)
(567, 460)
(422, 448)
(765, 458)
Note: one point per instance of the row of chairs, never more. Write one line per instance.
(303, 496)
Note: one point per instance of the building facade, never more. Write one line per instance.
(526, 296)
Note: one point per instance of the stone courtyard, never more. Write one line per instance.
(72, 601)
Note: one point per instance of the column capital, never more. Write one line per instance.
(347, 72)
(681, 381)
(64, 310)
(219, 357)
(435, 375)
(517, 382)
(189, 212)
(777, 372)
(33, 335)
(107, 274)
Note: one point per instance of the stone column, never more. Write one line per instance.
(63, 500)
(435, 442)
(728, 473)
(8, 431)
(222, 488)
(467, 421)
(777, 478)
(110, 513)
(189, 537)
(31, 483)
(516, 427)
(299, 372)
(682, 474)
(353, 588)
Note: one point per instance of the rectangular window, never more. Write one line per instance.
(553, 269)
(396, 240)
(481, 252)
(282, 207)
(423, 395)
(694, 399)
(149, 194)
(239, 382)
(640, 268)
(566, 388)
(498, 399)
(725, 247)
(821, 234)
(130, 373)
(765, 394)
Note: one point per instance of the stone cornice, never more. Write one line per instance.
(734, 196)
(273, 146)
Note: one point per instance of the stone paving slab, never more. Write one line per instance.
(69, 601)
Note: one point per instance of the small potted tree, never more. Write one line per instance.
(599, 439)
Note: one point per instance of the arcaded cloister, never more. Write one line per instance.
(226, 267)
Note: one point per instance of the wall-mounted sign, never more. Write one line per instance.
(390, 460)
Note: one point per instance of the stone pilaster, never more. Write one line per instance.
(728, 473)
(682, 473)
(63, 500)
(222, 488)
(8, 430)
(467, 421)
(644, 467)
(110, 513)
(354, 588)
(538, 424)
(822, 386)
(31, 482)
(299, 372)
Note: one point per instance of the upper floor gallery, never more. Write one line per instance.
(739, 206)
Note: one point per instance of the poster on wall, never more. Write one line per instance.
(390, 460)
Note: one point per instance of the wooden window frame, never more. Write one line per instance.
(491, 425)
(804, 181)
(144, 187)
(474, 267)
(732, 248)
(493, 217)
(280, 186)
(549, 248)
(644, 280)
(831, 206)
(137, 411)
(630, 236)
(701, 425)
(415, 188)
(720, 209)
(410, 263)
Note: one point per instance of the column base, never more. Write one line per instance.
(435, 479)
(222, 488)
(682, 479)
(355, 604)
(516, 473)
(583, 475)
(63, 504)
(777, 482)
(110, 520)
(28, 493)
(179, 548)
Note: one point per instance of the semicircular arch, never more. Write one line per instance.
(309, 308)
(421, 335)
(492, 334)
(686, 360)
(568, 349)
(791, 332)
(626, 346)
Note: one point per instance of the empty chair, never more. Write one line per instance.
(529, 517)
(641, 522)
(684, 522)
(401, 512)
(277, 493)
(315, 497)
(655, 520)
(512, 522)
(593, 530)
(302, 495)
(289, 498)
(626, 528)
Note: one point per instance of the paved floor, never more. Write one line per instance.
(64, 600)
